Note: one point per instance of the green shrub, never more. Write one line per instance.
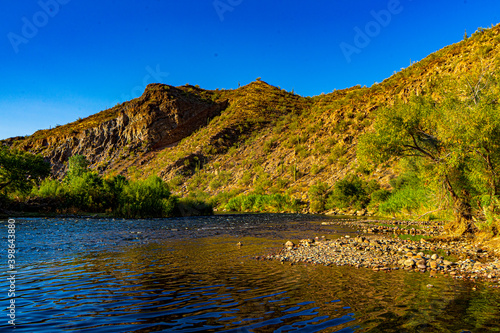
(51, 188)
(86, 192)
(221, 199)
(379, 196)
(407, 199)
(318, 195)
(407, 179)
(145, 199)
(112, 188)
(352, 192)
(315, 169)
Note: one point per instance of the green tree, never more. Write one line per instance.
(20, 170)
(78, 165)
(454, 143)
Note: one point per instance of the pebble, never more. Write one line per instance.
(381, 253)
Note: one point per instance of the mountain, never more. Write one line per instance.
(254, 138)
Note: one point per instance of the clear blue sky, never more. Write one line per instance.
(64, 59)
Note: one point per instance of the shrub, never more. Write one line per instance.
(145, 199)
(112, 188)
(407, 199)
(318, 195)
(379, 196)
(351, 191)
(246, 178)
(86, 191)
(51, 188)
(221, 199)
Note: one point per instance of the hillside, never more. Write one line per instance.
(257, 138)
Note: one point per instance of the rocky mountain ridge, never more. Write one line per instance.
(257, 137)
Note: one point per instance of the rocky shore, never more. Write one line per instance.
(382, 251)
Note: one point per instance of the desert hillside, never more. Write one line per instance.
(257, 138)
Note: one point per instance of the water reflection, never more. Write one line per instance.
(210, 284)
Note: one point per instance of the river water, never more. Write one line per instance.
(188, 275)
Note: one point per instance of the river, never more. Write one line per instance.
(188, 275)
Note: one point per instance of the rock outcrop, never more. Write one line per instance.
(162, 116)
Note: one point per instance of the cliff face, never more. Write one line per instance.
(162, 116)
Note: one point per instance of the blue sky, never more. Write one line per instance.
(65, 59)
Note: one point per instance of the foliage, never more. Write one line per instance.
(491, 211)
(77, 167)
(352, 191)
(112, 189)
(318, 195)
(20, 170)
(379, 196)
(145, 199)
(221, 199)
(455, 142)
(85, 191)
(405, 200)
(51, 188)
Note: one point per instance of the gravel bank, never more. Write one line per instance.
(459, 259)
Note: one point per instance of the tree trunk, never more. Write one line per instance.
(462, 209)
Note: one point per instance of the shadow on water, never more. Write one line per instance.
(128, 276)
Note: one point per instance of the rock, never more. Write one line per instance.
(161, 116)
(289, 244)
(409, 263)
(421, 264)
(306, 242)
(447, 263)
(433, 264)
(434, 256)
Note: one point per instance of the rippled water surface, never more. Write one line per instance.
(188, 275)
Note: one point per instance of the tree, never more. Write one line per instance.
(455, 143)
(20, 170)
(77, 167)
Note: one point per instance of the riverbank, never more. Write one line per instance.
(378, 247)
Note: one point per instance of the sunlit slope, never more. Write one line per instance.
(257, 137)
